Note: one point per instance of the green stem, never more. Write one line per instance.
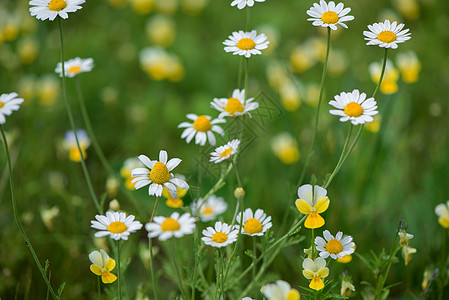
(312, 245)
(222, 274)
(98, 288)
(247, 18)
(237, 174)
(119, 287)
(245, 84)
(384, 63)
(150, 246)
(175, 262)
(17, 219)
(254, 258)
(72, 124)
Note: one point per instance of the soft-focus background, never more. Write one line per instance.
(399, 169)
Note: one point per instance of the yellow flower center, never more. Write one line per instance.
(220, 237)
(74, 69)
(246, 44)
(57, 5)
(208, 210)
(386, 36)
(2, 104)
(353, 109)
(117, 227)
(159, 174)
(253, 226)
(226, 152)
(329, 17)
(202, 124)
(170, 225)
(334, 246)
(234, 105)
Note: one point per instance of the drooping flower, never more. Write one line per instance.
(442, 211)
(173, 226)
(335, 247)
(211, 208)
(174, 202)
(75, 66)
(235, 106)
(386, 34)
(8, 104)
(329, 14)
(115, 224)
(354, 106)
(280, 290)
(404, 237)
(203, 128)
(102, 265)
(254, 224)
(246, 43)
(225, 152)
(242, 3)
(69, 144)
(158, 175)
(312, 203)
(315, 270)
(50, 9)
(220, 235)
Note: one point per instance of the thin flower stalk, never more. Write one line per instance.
(119, 286)
(175, 263)
(150, 246)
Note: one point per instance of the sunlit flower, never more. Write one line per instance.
(174, 202)
(69, 144)
(128, 165)
(211, 208)
(285, 148)
(8, 104)
(115, 224)
(246, 43)
(75, 66)
(389, 83)
(280, 290)
(312, 203)
(203, 128)
(102, 265)
(225, 152)
(220, 236)
(407, 253)
(50, 9)
(242, 3)
(404, 237)
(173, 226)
(335, 247)
(354, 107)
(329, 14)
(315, 270)
(235, 106)
(409, 65)
(442, 211)
(254, 224)
(386, 34)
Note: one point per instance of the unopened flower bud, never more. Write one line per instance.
(239, 193)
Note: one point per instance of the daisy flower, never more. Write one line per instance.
(335, 247)
(355, 107)
(312, 203)
(75, 66)
(8, 104)
(158, 175)
(101, 265)
(442, 211)
(203, 127)
(315, 270)
(220, 236)
(386, 34)
(211, 208)
(235, 106)
(329, 14)
(280, 290)
(70, 145)
(242, 3)
(246, 43)
(173, 226)
(225, 152)
(50, 9)
(254, 224)
(115, 224)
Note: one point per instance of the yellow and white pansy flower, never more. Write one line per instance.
(315, 270)
(442, 211)
(312, 202)
(280, 290)
(102, 265)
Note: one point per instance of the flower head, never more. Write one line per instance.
(335, 247)
(386, 34)
(280, 290)
(173, 226)
(158, 175)
(71, 146)
(355, 107)
(312, 203)
(174, 202)
(442, 211)
(409, 65)
(254, 224)
(404, 237)
(75, 66)
(329, 14)
(285, 148)
(101, 265)
(242, 3)
(50, 9)
(391, 75)
(235, 106)
(315, 270)
(115, 224)
(246, 43)
(211, 208)
(220, 235)
(8, 104)
(128, 165)
(225, 152)
(203, 127)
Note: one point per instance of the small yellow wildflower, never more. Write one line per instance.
(389, 82)
(442, 211)
(285, 148)
(315, 270)
(280, 290)
(409, 65)
(102, 264)
(174, 202)
(312, 203)
(161, 30)
(71, 146)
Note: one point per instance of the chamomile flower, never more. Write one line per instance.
(235, 106)
(173, 226)
(246, 43)
(442, 211)
(70, 145)
(280, 290)
(335, 247)
(329, 14)
(386, 34)
(8, 104)
(102, 265)
(158, 175)
(225, 152)
(254, 224)
(354, 106)
(312, 203)
(315, 270)
(220, 235)
(50, 9)
(115, 224)
(203, 127)
(75, 66)
(242, 3)
(211, 208)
